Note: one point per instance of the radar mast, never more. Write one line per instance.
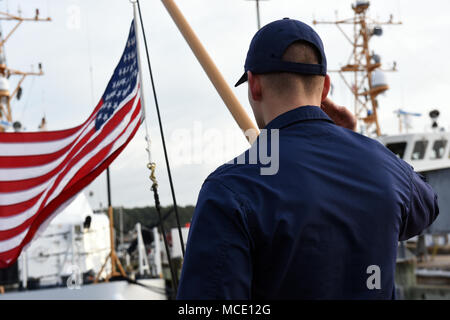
(6, 95)
(368, 79)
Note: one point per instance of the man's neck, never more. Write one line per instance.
(276, 108)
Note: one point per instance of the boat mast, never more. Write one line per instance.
(6, 96)
(368, 79)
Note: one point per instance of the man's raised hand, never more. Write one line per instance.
(340, 115)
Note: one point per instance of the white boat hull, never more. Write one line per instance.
(115, 290)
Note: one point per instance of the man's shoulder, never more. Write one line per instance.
(228, 185)
(235, 174)
(384, 157)
(375, 146)
(237, 168)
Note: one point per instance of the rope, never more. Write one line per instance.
(169, 259)
(157, 223)
(161, 131)
(146, 286)
(154, 188)
(151, 288)
(152, 165)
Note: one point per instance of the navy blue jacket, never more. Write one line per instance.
(339, 204)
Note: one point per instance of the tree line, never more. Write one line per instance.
(148, 217)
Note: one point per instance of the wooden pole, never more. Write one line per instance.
(237, 111)
(115, 261)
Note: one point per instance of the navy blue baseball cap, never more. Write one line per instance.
(270, 43)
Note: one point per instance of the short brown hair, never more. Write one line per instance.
(286, 82)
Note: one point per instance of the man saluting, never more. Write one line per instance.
(335, 208)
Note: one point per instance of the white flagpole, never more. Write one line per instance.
(141, 80)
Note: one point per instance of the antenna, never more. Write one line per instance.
(404, 119)
(368, 77)
(434, 116)
(5, 72)
(258, 16)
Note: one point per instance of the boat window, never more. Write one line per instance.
(397, 148)
(438, 149)
(419, 150)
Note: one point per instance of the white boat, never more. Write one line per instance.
(64, 260)
(115, 290)
(428, 154)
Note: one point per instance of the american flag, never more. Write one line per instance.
(42, 172)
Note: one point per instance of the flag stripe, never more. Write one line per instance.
(13, 242)
(12, 198)
(34, 147)
(45, 136)
(31, 161)
(6, 211)
(29, 173)
(33, 137)
(7, 223)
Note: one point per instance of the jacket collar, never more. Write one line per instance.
(299, 114)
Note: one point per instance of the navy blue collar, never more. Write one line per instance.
(299, 114)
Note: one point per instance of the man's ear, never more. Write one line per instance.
(254, 83)
(326, 87)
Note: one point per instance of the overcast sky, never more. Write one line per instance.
(91, 34)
